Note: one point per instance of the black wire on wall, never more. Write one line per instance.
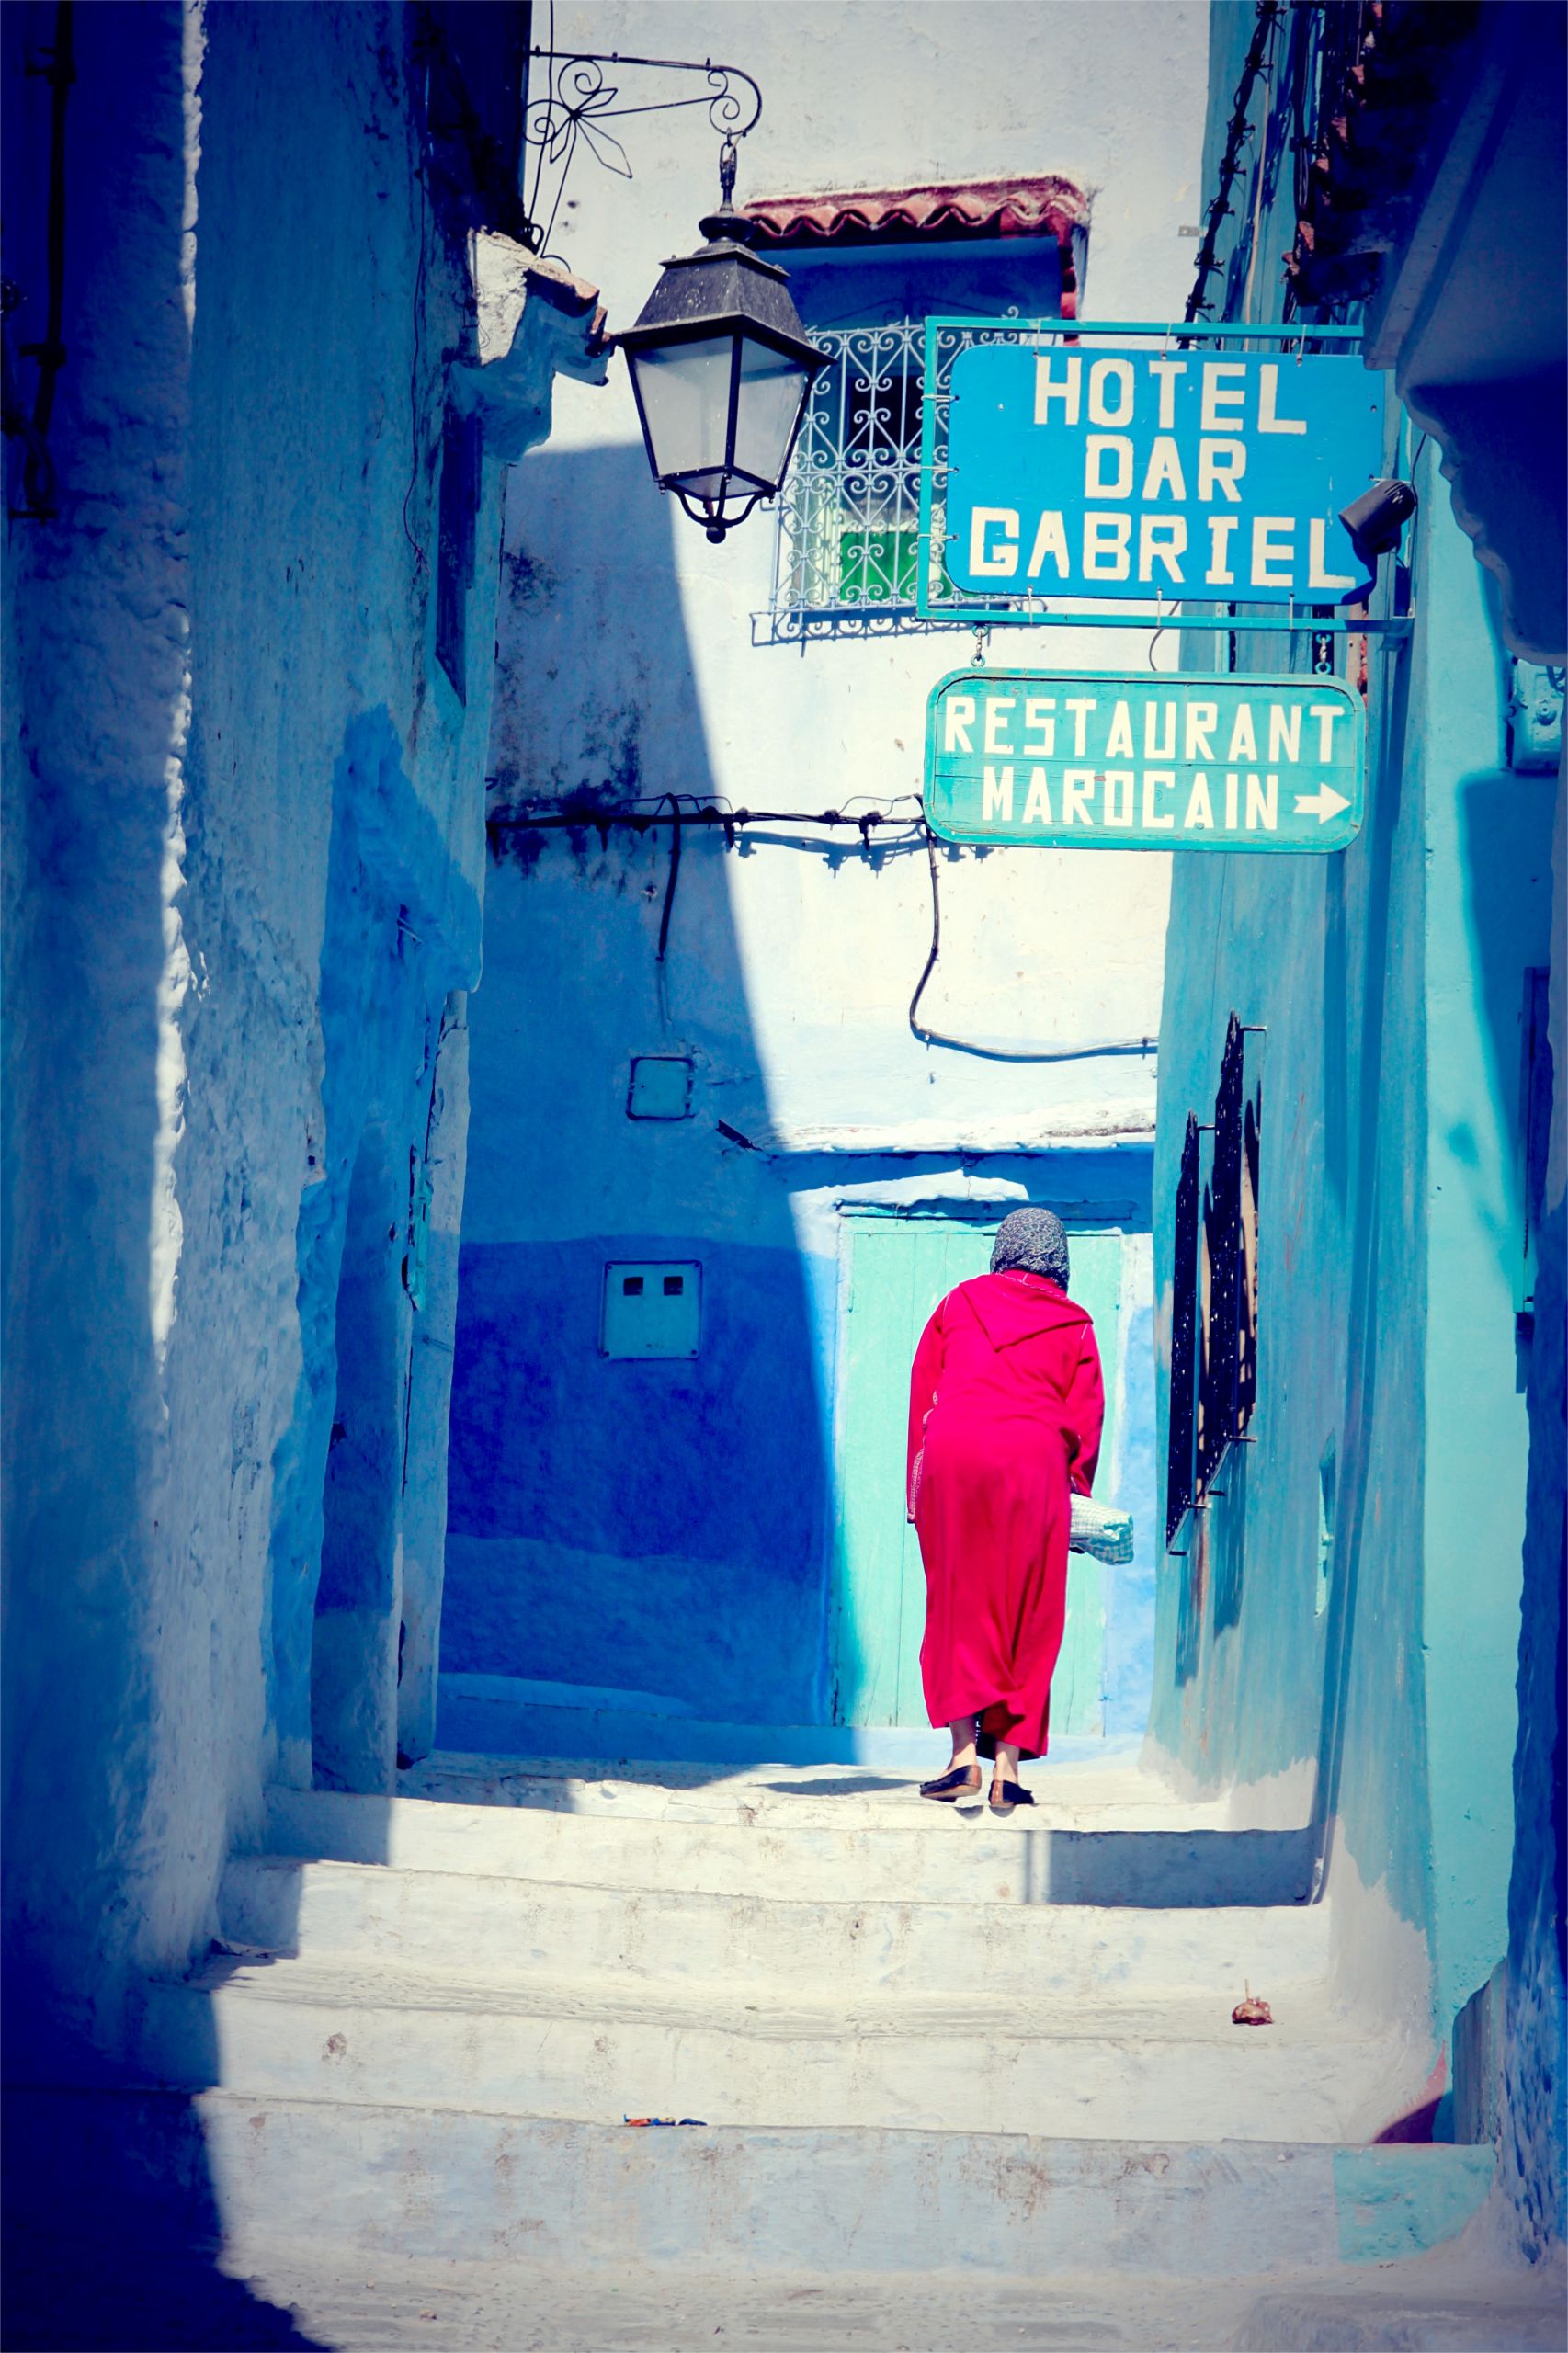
(680, 810)
(1087, 1053)
(1236, 136)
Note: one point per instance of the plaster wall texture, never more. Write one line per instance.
(244, 867)
(1391, 983)
(1529, 2011)
(664, 1527)
(1479, 358)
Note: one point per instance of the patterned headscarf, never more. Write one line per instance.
(1033, 1240)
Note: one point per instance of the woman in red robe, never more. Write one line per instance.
(1006, 1406)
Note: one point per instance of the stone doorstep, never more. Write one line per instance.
(597, 2050)
(453, 2185)
(490, 1924)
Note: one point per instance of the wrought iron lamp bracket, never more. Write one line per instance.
(578, 102)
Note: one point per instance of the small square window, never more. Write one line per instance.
(674, 1286)
(632, 1286)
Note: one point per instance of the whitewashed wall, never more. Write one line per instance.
(629, 667)
(1039, 948)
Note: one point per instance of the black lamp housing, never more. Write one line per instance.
(1376, 523)
(721, 368)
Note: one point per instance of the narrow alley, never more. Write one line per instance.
(784, 1213)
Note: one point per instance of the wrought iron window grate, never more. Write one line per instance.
(849, 547)
(1221, 1339)
(1213, 1387)
(1182, 1423)
(849, 511)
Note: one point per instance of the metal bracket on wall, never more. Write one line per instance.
(938, 598)
(578, 102)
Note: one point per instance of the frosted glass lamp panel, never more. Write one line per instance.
(685, 392)
(772, 389)
(711, 482)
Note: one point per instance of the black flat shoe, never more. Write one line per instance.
(964, 1782)
(1005, 1795)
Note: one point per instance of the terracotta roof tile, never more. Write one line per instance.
(1041, 206)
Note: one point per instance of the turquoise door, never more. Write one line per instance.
(899, 1268)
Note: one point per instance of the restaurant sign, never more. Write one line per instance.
(1144, 760)
(1146, 473)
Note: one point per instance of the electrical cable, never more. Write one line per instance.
(1088, 1051)
(642, 816)
(680, 810)
(674, 877)
(1238, 131)
(661, 976)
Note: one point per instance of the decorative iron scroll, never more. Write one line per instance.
(1214, 1289)
(1247, 1272)
(849, 548)
(1220, 1349)
(578, 102)
(1179, 1446)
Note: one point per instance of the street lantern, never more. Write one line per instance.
(721, 368)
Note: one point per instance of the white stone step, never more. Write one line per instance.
(1105, 1790)
(454, 2184)
(451, 2185)
(797, 1834)
(473, 1923)
(594, 2049)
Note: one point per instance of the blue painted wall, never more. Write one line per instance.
(663, 1528)
(666, 1529)
(1391, 985)
(655, 1526)
(244, 859)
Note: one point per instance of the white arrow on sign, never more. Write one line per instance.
(1325, 801)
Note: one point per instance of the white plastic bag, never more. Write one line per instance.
(1101, 1530)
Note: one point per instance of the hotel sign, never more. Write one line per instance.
(1144, 761)
(1148, 472)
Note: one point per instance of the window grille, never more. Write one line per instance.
(848, 550)
(1247, 1302)
(1184, 1339)
(849, 512)
(1214, 1289)
(1219, 1361)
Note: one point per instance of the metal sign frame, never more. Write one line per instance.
(1250, 823)
(938, 598)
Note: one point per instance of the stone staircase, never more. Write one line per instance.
(430, 2015)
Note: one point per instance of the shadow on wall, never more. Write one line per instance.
(396, 938)
(1361, 1468)
(1506, 850)
(112, 2227)
(655, 1525)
